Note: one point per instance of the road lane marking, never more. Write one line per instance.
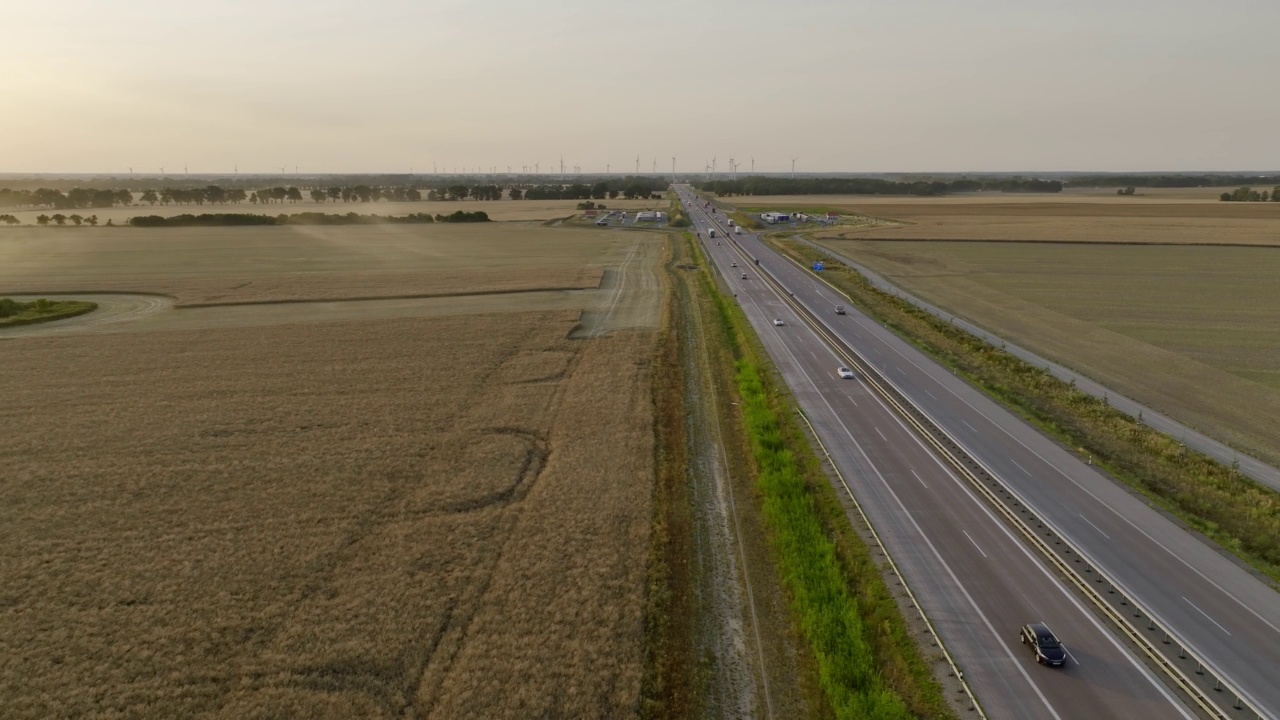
(1095, 527)
(966, 424)
(926, 392)
(815, 357)
(1206, 615)
(913, 472)
(1015, 462)
(975, 542)
(951, 572)
(1018, 545)
(1131, 523)
(855, 402)
(1068, 652)
(882, 437)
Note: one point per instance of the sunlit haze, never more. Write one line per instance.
(389, 85)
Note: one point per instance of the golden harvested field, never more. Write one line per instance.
(514, 210)
(1191, 331)
(220, 265)
(1070, 217)
(319, 512)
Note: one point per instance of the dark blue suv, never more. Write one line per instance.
(1048, 650)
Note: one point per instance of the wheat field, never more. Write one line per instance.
(1189, 330)
(1161, 217)
(434, 516)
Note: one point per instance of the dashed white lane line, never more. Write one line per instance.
(913, 472)
(1206, 615)
(1095, 527)
(1015, 462)
(882, 437)
(966, 424)
(975, 542)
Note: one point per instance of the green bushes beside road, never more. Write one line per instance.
(1230, 508)
(867, 662)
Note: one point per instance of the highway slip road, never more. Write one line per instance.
(977, 581)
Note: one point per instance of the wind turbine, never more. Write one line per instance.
(753, 164)
(606, 168)
(162, 171)
(561, 168)
(793, 166)
(673, 168)
(637, 164)
(733, 169)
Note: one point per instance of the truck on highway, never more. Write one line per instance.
(737, 229)
(711, 233)
(730, 223)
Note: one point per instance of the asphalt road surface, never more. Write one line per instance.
(1266, 474)
(976, 580)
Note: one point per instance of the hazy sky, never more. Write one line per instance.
(385, 85)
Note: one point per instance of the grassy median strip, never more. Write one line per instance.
(868, 666)
(13, 312)
(1216, 499)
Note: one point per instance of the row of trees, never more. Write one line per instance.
(1248, 194)
(765, 185)
(1171, 181)
(74, 199)
(60, 219)
(307, 218)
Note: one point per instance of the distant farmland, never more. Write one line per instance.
(1192, 331)
(1162, 217)
(433, 516)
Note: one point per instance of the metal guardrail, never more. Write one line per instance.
(1012, 507)
(955, 672)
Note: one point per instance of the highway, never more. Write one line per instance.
(977, 580)
(1264, 473)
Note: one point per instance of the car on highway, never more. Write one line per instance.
(744, 276)
(778, 322)
(732, 264)
(839, 309)
(844, 373)
(1046, 646)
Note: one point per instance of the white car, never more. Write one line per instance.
(778, 322)
(844, 373)
(732, 264)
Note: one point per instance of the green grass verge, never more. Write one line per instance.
(1228, 507)
(671, 686)
(14, 313)
(868, 665)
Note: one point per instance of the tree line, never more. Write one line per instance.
(766, 185)
(74, 199)
(1248, 194)
(307, 218)
(77, 198)
(1171, 181)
